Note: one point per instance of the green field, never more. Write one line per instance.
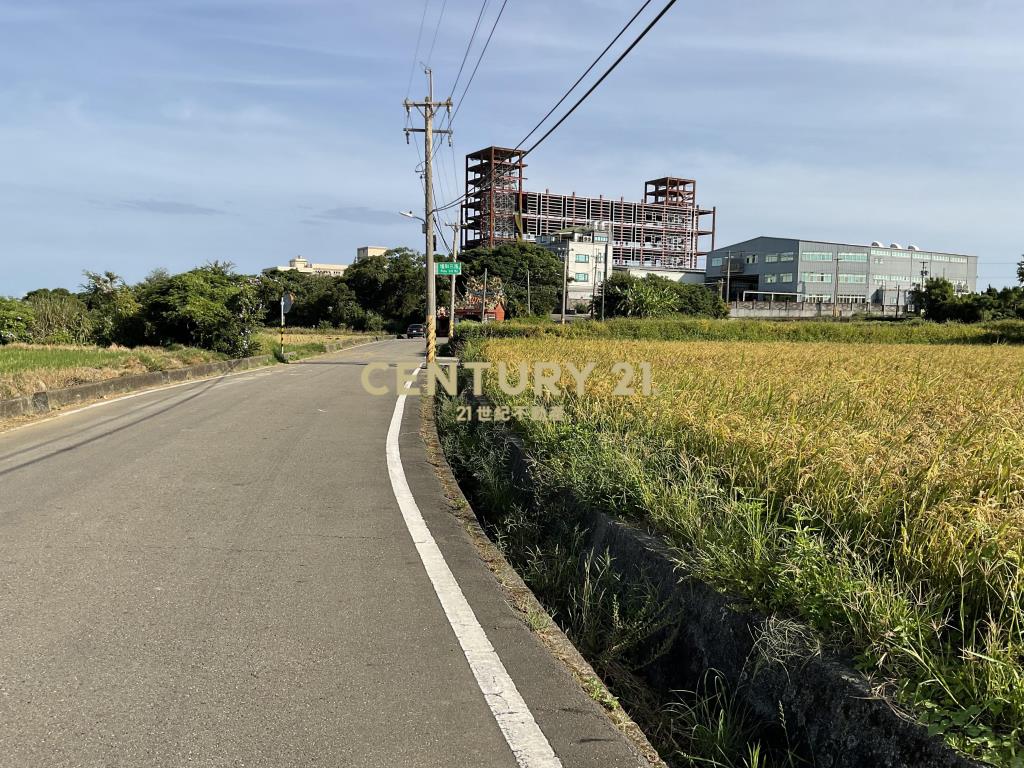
(911, 331)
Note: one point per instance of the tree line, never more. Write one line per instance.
(215, 307)
(939, 301)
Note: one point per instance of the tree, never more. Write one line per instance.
(936, 298)
(206, 307)
(113, 309)
(649, 297)
(511, 262)
(1020, 270)
(698, 301)
(60, 318)
(40, 293)
(392, 286)
(16, 321)
(626, 295)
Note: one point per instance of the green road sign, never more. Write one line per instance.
(447, 268)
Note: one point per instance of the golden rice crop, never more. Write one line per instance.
(891, 479)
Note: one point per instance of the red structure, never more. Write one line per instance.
(666, 231)
(472, 312)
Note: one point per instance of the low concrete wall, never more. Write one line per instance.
(829, 709)
(792, 310)
(54, 399)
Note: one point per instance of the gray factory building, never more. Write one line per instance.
(810, 270)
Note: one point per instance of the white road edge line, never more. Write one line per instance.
(261, 371)
(524, 736)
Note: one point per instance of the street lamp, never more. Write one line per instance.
(411, 215)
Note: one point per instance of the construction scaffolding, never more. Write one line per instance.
(665, 231)
(494, 187)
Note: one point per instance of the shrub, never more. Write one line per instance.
(61, 319)
(16, 321)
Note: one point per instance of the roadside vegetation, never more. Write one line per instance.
(706, 329)
(873, 491)
(27, 369)
(215, 308)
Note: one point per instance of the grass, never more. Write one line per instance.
(911, 331)
(875, 492)
(618, 622)
(29, 368)
(300, 342)
(25, 369)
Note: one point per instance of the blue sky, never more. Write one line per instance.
(165, 133)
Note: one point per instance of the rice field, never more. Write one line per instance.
(26, 369)
(873, 491)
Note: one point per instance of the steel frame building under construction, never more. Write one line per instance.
(664, 231)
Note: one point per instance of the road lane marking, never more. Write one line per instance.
(524, 736)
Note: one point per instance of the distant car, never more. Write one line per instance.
(416, 331)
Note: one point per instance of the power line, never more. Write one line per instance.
(587, 72)
(416, 52)
(601, 79)
(480, 58)
(583, 98)
(440, 231)
(469, 45)
(440, 18)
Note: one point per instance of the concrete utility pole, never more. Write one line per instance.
(593, 289)
(728, 275)
(529, 307)
(835, 291)
(483, 300)
(428, 109)
(565, 285)
(455, 257)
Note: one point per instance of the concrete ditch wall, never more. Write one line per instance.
(829, 709)
(55, 399)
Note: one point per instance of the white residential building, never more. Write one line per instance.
(299, 264)
(588, 253)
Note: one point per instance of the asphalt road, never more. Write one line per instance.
(219, 574)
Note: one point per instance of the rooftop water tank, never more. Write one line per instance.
(897, 246)
(876, 244)
(913, 248)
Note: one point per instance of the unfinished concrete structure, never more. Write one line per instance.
(665, 231)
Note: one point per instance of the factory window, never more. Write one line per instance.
(939, 257)
(816, 277)
(878, 260)
(853, 279)
(582, 258)
(880, 252)
(817, 256)
(716, 261)
(847, 298)
(771, 258)
(771, 279)
(853, 256)
(786, 277)
(582, 277)
(788, 256)
(750, 258)
(816, 297)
